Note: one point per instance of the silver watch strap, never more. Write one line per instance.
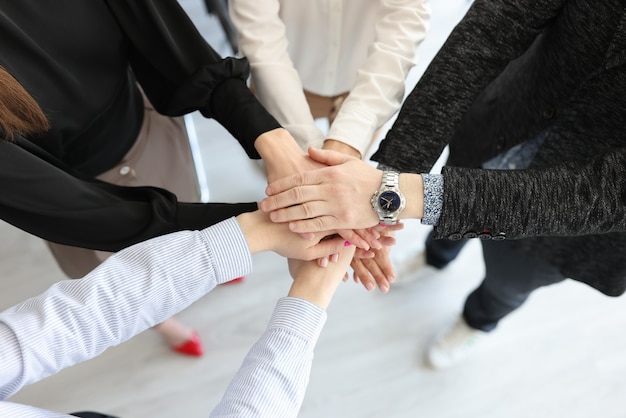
(390, 178)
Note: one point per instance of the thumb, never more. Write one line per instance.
(328, 157)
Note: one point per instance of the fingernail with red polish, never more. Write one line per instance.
(347, 244)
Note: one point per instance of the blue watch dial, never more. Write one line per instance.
(389, 201)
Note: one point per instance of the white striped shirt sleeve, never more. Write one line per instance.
(137, 288)
(78, 319)
(274, 376)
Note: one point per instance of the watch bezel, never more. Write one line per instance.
(396, 200)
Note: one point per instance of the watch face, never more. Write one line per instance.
(389, 201)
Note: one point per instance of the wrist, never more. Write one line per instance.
(318, 284)
(255, 227)
(274, 144)
(319, 292)
(333, 144)
(412, 187)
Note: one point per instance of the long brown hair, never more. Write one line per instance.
(19, 112)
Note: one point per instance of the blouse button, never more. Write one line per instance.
(500, 143)
(549, 112)
(124, 170)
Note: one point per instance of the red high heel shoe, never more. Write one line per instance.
(191, 347)
(237, 280)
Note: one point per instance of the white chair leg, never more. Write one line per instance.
(197, 158)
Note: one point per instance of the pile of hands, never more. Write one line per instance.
(323, 198)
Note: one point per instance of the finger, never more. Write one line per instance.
(389, 228)
(291, 197)
(321, 235)
(387, 269)
(308, 210)
(325, 248)
(307, 178)
(361, 253)
(354, 238)
(319, 224)
(376, 274)
(334, 257)
(374, 241)
(387, 241)
(362, 275)
(328, 157)
(286, 183)
(322, 262)
(397, 227)
(370, 236)
(308, 236)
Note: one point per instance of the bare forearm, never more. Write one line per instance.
(282, 155)
(276, 144)
(314, 290)
(318, 284)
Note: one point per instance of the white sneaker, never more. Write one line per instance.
(452, 346)
(412, 267)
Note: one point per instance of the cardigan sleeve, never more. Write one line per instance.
(44, 200)
(515, 204)
(181, 73)
(470, 58)
(494, 204)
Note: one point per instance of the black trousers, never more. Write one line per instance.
(510, 278)
(440, 252)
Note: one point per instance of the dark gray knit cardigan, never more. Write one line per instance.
(509, 70)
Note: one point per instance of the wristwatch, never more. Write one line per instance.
(388, 201)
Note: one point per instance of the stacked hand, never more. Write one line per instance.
(284, 159)
(334, 197)
(264, 235)
(331, 192)
(376, 270)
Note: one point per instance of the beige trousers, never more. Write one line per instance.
(328, 107)
(161, 157)
(321, 106)
(324, 106)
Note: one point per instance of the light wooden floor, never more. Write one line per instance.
(561, 355)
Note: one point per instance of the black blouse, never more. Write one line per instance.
(45, 200)
(80, 60)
